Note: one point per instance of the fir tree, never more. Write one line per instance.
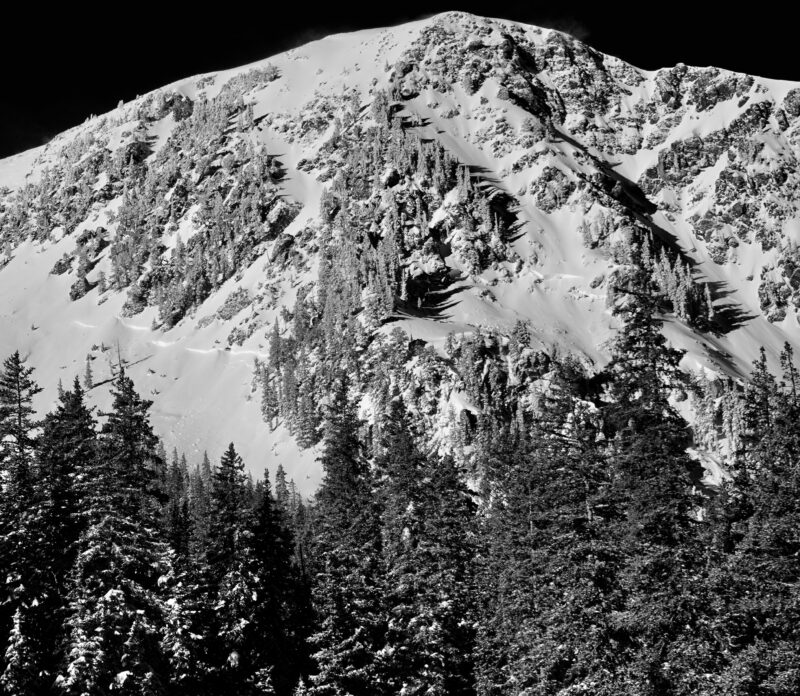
(228, 512)
(282, 495)
(280, 613)
(429, 548)
(19, 547)
(549, 583)
(651, 479)
(17, 426)
(132, 450)
(199, 499)
(116, 609)
(67, 459)
(347, 589)
(88, 378)
(178, 517)
(755, 547)
(231, 581)
(21, 676)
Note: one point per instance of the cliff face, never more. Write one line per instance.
(480, 185)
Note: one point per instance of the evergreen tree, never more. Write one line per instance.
(280, 613)
(791, 374)
(754, 585)
(651, 479)
(88, 378)
(67, 455)
(429, 549)
(132, 450)
(549, 582)
(347, 588)
(229, 582)
(199, 490)
(758, 412)
(17, 423)
(178, 518)
(19, 547)
(222, 603)
(229, 512)
(179, 527)
(21, 676)
(650, 437)
(282, 495)
(188, 624)
(116, 608)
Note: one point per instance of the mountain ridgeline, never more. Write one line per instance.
(453, 181)
(511, 325)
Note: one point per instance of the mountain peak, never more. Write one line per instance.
(456, 175)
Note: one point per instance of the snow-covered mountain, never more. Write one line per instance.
(444, 177)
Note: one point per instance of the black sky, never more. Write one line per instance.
(59, 66)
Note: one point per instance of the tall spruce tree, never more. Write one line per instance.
(429, 549)
(229, 512)
(231, 576)
(651, 478)
(20, 551)
(549, 581)
(280, 615)
(351, 625)
(17, 422)
(67, 455)
(178, 520)
(200, 504)
(754, 585)
(116, 608)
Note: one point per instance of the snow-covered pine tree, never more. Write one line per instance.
(178, 523)
(276, 642)
(282, 491)
(549, 584)
(116, 609)
(88, 378)
(21, 675)
(67, 457)
(19, 548)
(229, 512)
(429, 537)
(230, 578)
(17, 425)
(347, 588)
(652, 483)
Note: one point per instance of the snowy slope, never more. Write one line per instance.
(538, 114)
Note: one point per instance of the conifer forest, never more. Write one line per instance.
(449, 359)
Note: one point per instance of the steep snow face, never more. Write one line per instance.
(176, 231)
